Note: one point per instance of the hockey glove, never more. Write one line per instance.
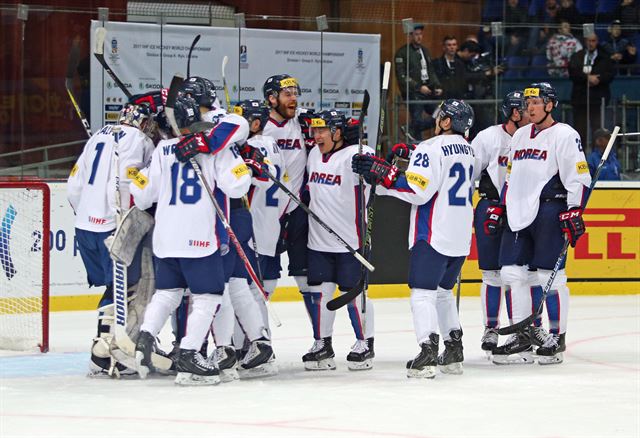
(375, 170)
(572, 224)
(253, 158)
(400, 150)
(189, 146)
(494, 219)
(352, 132)
(304, 118)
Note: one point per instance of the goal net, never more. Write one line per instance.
(24, 265)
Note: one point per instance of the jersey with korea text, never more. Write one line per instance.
(91, 186)
(491, 147)
(535, 159)
(288, 136)
(268, 202)
(439, 184)
(186, 222)
(335, 198)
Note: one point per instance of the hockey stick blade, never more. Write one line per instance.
(172, 95)
(68, 83)
(98, 52)
(193, 44)
(227, 97)
(346, 297)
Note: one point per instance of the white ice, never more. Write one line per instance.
(594, 393)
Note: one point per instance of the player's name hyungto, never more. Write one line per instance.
(450, 149)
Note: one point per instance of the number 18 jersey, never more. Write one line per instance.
(439, 184)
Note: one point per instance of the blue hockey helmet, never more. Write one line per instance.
(201, 89)
(460, 113)
(513, 100)
(544, 90)
(275, 84)
(186, 111)
(252, 109)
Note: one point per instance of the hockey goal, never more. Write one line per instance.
(24, 265)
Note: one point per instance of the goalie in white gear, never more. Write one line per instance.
(439, 185)
(187, 238)
(91, 193)
(543, 193)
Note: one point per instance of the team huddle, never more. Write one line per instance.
(231, 190)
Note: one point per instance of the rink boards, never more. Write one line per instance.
(605, 261)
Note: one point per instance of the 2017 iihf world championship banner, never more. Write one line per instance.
(146, 56)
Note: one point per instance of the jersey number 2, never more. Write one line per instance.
(190, 190)
(458, 170)
(270, 200)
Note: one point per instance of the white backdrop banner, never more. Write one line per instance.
(144, 56)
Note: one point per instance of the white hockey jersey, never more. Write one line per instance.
(537, 158)
(186, 221)
(335, 198)
(91, 184)
(268, 202)
(439, 184)
(288, 137)
(491, 147)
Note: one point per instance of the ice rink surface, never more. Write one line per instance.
(594, 393)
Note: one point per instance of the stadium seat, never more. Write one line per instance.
(516, 66)
(586, 7)
(538, 67)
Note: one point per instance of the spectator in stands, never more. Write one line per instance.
(591, 72)
(559, 50)
(611, 168)
(569, 12)
(539, 35)
(451, 70)
(515, 17)
(628, 13)
(619, 48)
(421, 81)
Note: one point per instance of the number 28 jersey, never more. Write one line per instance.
(439, 184)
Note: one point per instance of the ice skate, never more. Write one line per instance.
(144, 348)
(517, 350)
(450, 361)
(259, 361)
(321, 356)
(538, 336)
(361, 355)
(489, 341)
(224, 358)
(550, 353)
(423, 366)
(195, 370)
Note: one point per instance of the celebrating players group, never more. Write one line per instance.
(259, 161)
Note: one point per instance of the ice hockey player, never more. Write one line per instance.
(335, 197)
(543, 194)
(491, 147)
(188, 255)
(281, 94)
(439, 185)
(91, 193)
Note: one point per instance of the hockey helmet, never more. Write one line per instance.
(201, 89)
(186, 111)
(154, 99)
(513, 100)
(460, 113)
(543, 90)
(252, 109)
(134, 114)
(332, 119)
(275, 84)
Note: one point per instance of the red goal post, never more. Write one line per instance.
(24, 264)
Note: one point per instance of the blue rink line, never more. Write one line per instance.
(43, 365)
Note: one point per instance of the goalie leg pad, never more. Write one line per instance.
(124, 243)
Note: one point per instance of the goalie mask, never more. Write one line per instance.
(136, 115)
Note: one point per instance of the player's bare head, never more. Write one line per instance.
(540, 98)
(327, 128)
(202, 90)
(254, 112)
(454, 116)
(513, 108)
(416, 35)
(281, 95)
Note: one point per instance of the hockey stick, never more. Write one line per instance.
(68, 83)
(522, 325)
(458, 287)
(98, 52)
(176, 82)
(345, 298)
(193, 44)
(225, 60)
(363, 208)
